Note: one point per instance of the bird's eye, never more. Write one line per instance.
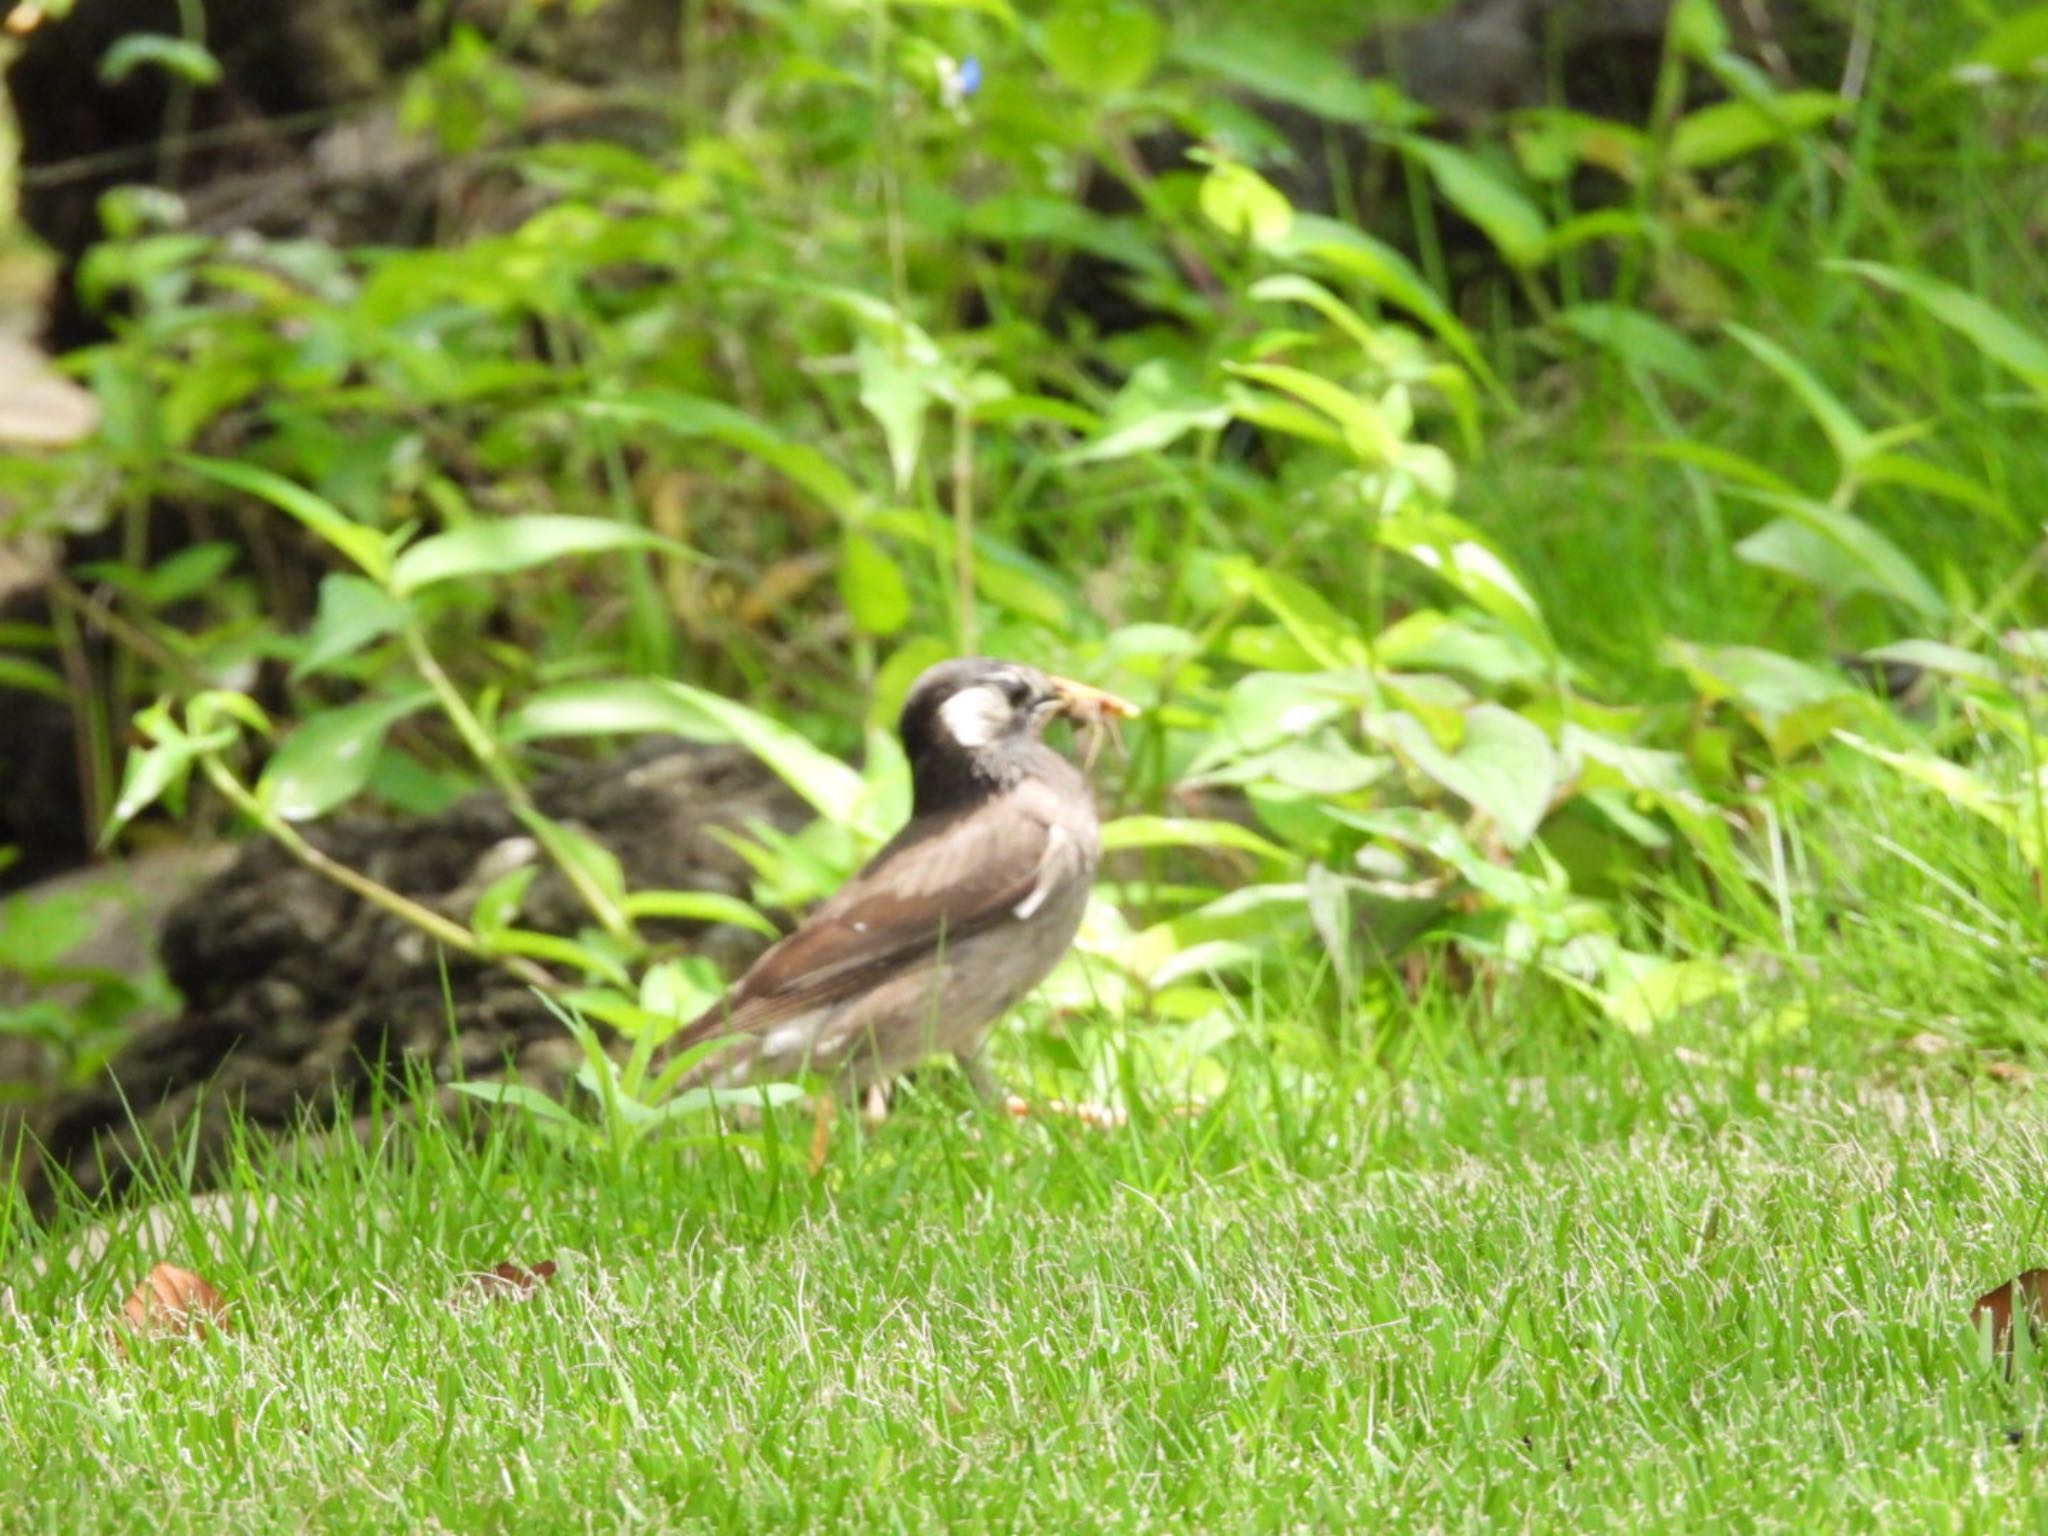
(1017, 691)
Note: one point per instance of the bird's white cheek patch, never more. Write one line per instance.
(974, 717)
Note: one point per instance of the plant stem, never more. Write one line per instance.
(963, 524)
(441, 929)
(484, 748)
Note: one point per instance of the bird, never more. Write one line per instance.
(955, 919)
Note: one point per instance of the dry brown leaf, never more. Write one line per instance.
(509, 1281)
(174, 1302)
(2027, 1293)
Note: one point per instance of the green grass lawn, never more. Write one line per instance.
(1607, 1290)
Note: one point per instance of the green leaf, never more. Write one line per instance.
(1387, 273)
(1935, 656)
(1244, 205)
(2018, 45)
(1642, 339)
(1155, 407)
(154, 773)
(1507, 218)
(1697, 30)
(1277, 62)
(693, 416)
(31, 677)
(1504, 766)
(365, 546)
(498, 904)
(518, 1096)
(1102, 47)
(1884, 566)
(1851, 440)
(828, 785)
(598, 866)
(330, 756)
(188, 60)
(1793, 704)
(872, 586)
(700, 907)
(1461, 556)
(352, 613)
(1366, 433)
(1727, 130)
(516, 544)
(896, 388)
(1992, 332)
(1724, 462)
(1128, 832)
(611, 707)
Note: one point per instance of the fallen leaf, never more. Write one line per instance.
(2005, 1071)
(509, 1281)
(2029, 1290)
(174, 1302)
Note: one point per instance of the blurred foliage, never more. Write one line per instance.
(912, 338)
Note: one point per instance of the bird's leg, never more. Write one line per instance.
(874, 1103)
(982, 1078)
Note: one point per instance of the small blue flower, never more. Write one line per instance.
(970, 76)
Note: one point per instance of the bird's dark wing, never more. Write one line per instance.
(938, 882)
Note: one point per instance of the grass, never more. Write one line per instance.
(1598, 1287)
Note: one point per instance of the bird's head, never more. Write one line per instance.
(971, 723)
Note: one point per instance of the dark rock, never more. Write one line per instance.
(299, 996)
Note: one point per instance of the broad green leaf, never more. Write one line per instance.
(1640, 997)
(498, 905)
(1326, 634)
(31, 677)
(1507, 218)
(1459, 554)
(896, 389)
(694, 416)
(1504, 766)
(2017, 45)
(1697, 30)
(1287, 288)
(1244, 205)
(611, 707)
(1728, 130)
(365, 546)
(511, 544)
(153, 773)
(1277, 62)
(1156, 406)
(1849, 437)
(188, 60)
(1886, 567)
(330, 756)
(1792, 549)
(1128, 832)
(1793, 704)
(596, 865)
(872, 586)
(1935, 656)
(1724, 462)
(1919, 475)
(700, 907)
(697, 1101)
(1642, 339)
(826, 784)
(1366, 432)
(1388, 274)
(518, 1096)
(353, 611)
(1991, 331)
(1102, 47)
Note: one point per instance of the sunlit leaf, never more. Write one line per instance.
(1504, 766)
(828, 785)
(1990, 330)
(1727, 130)
(1128, 832)
(1506, 217)
(505, 545)
(329, 757)
(1640, 338)
(693, 416)
(610, 707)
(365, 546)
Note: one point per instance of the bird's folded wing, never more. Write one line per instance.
(992, 865)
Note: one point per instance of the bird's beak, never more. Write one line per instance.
(1089, 706)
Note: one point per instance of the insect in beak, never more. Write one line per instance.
(1095, 709)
